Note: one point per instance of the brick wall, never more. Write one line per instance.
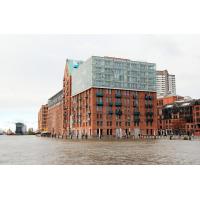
(104, 111)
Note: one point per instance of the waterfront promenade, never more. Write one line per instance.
(43, 151)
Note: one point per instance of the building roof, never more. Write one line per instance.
(56, 95)
(55, 98)
(183, 103)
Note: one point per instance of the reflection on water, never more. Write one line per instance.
(36, 150)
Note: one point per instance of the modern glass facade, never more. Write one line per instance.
(114, 73)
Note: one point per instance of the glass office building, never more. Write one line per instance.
(114, 73)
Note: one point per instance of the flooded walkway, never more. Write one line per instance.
(42, 151)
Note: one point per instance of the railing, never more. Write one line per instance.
(110, 103)
(148, 97)
(118, 104)
(110, 112)
(118, 95)
(99, 103)
(148, 106)
(118, 112)
(149, 114)
(99, 94)
(136, 113)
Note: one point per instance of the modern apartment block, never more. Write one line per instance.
(165, 83)
(172, 84)
(55, 114)
(20, 128)
(105, 96)
(42, 118)
(109, 96)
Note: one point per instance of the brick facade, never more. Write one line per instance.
(179, 117)
(55, 115)
(103, 111)
(161, 102)
(67, 87)
(196, 117)
(42, 118)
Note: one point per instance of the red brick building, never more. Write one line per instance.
(196, 117)
(116, 106)
(179, 117)
(67, 95)
(105, 112)
(161, 102)
(55, 115)
(105, 96)
(42, 118)
(67, 82)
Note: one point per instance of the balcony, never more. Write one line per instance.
(110, 103)
(118, 95)
(118, 112)
(136, 120)
(99, 103)
(99, 94)
(135, 105)
(136, 113)
(118, 104)
(148, 97)
(149, 114)
(150, 106)
(149, 120)
(110, 112)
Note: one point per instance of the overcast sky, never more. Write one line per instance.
(31, 67)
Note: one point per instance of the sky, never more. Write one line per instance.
(32, 66)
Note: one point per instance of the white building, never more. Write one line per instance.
(172, 84)
(165, 83)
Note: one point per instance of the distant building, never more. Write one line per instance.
(30, 131)
(1, 131)
(172, 84)
(42, 118)
(20, 128)
(181, 116)
(165, 83)
(161, 102)
(9, 132)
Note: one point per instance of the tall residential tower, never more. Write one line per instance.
(165, 83)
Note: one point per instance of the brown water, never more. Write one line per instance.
(38, 151)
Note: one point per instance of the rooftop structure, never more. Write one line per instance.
(58, 97)
(114, 73)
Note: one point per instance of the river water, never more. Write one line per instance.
(42, 151)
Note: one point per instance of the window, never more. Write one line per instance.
(99, 108)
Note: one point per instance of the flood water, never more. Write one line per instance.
(41, 151)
